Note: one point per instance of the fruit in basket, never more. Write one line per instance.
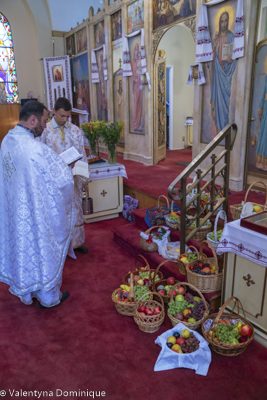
(169, 345)
(186, 311)
(148, 311)
(179, 297)
(242, 339)
(140, 291)
(137, 278)
(179, 316)
(162, 292)
(157, 311)
(212, 236)
(142, 309)
(175, 293)
(171, 339)
(176, 335)
(206, 270)
(180, 290)
(196, 298)
(171, 280)
(257, 209)
(180, 341)
(184, 260)
(176, 348)
(245, 330)
(185, 333)
(191, 320)
(160, 287)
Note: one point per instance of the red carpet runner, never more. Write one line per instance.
(84, 344)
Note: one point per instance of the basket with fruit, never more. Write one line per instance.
(202, 232)
(164, 286)
(186, 258)
(126, 296)
(205, 273)
(148, 239)
(149, 314)
(215, 237)
(228, 334)
(172, 220)
(236, 209)
(183, 343)
(188, 309)
(143, 276)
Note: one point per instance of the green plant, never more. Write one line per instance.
(111, 135)
(93, 130)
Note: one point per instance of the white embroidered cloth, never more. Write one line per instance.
(126, 60)
(94, 66)
(243, 242)
(105, 170)
(201, 76)
(203, 42)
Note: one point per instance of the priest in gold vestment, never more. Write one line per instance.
(60, 135)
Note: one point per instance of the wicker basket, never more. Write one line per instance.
(171, 224)
(137, 271)
(190, 325)
(163, 282)
(161, 219)
(236, 209)
(149, 323)
(151, 247)
(181, 265)
(225, 349)
(199, 235)
(215, 243)
(206, 283)
(122, 307)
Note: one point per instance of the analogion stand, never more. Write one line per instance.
(106, 190)
(245, 274)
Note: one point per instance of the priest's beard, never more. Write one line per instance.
(38, 129)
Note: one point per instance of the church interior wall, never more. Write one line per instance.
(179, 47)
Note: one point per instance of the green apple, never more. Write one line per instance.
(179, 297)
(198, 299)
(191, 320)
(185, 333)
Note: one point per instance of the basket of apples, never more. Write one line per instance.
(164, 286)
(143, 276)
(186, 258)
(149, 314)
(188, 309)
(228, 334)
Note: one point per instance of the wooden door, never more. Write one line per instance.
(160, 116)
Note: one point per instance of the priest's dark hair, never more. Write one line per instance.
(64, 103)
(32, 107)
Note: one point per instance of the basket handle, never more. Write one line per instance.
(157, 270)
(237, 303)
(213, 252)
(131, 292)
(224, 216)
(149, 293)
(147, 264)
(253, 183)
(192, 247)
(194, 288)
(166, 198)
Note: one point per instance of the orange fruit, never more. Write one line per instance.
(212, 271)
(173, 213)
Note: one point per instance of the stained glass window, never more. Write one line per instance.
(8, 77)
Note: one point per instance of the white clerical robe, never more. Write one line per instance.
(60, 139)
(37, 216)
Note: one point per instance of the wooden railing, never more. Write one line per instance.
(207, 209)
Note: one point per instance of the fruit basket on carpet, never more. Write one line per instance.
(215, 237)
(126, 296)
(204, 273)
(188, 309)
(145, 274)
(186, 258)
(149, 314)
(236, 209)
(164, 286)
(203, 231)
(228, 334)
(149, 239)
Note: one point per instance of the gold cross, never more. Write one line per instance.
(103, 193)
(249, 280)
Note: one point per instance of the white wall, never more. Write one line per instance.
(179, 46)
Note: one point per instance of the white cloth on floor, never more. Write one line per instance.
(203, 43)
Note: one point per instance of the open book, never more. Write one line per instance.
(70, 155)
(227, 50)
(81, 169)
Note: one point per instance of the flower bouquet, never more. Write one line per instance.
(111, 136)
(93, 130)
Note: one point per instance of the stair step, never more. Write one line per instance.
(128, 237)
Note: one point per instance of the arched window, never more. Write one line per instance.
(8, 77)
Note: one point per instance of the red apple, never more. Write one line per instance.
(242, 339)
(175, 293)
(149, 311)
(143, 314)
(180, 290)
(142, 309)
(179, 316)
(221, 321)
(171, 280)
(180, 341)
(157, 311)
(162, 293)
(246, 330)
(184, 320)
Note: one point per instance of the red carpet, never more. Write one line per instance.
(84, 344)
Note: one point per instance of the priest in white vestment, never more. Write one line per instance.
(60, 135)
(37, 212)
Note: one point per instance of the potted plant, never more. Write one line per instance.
(111, 136)
(92, 131)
